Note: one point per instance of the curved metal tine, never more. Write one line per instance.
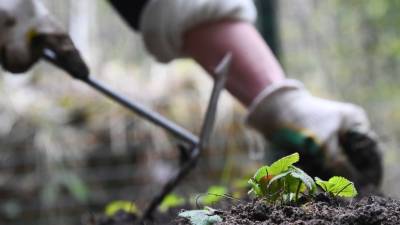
(220, 76)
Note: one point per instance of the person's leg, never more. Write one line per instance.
(254, 66)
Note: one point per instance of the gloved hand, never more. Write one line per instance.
(26, 30)
(333, 138)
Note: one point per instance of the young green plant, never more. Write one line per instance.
(282, 181)
(337, 187)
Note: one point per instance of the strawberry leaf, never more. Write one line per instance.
(338, 186)
(304, 177)
(261, 172)
(283, 164)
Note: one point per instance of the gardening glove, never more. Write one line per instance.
(164, 23)
(26, 30)
(333, 138)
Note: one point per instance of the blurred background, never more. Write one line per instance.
(66, 151)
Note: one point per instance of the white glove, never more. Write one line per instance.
(294, 120)
(164, 22)
(26, 29)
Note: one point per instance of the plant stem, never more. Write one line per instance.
(297, 191)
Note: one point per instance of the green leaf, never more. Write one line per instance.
(278, 177)
(277, 185)
(338, 186)
(283, 164)
(200, 217)
(264, 180)
(255, 188)
(293, 184)
(171, 201)
(257, 182)
(261, 172)
(282, 180)
(120, 205)
(304, 177)
(323, 184)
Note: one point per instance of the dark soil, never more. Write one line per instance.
(123, 218)
(367, 211)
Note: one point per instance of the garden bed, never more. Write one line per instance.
(368, 210)
(285, 194)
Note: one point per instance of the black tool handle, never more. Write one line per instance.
(77, 70)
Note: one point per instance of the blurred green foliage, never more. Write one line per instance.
(171, 201)
(71, 182)
(121, 205)
(214, 195)
(347, 50)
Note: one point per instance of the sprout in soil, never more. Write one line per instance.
(337, 187)
(284, 182)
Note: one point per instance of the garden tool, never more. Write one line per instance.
(79, 70)
(81, 73)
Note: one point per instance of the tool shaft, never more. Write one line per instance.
(152, 116)
(148, 114)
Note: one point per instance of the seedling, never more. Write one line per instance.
(337, 186)
(282, 181)
(285, 182)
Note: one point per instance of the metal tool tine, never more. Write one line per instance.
(220, 76)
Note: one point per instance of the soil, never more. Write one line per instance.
(367, 211)
(123, 218)
(371, 210)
